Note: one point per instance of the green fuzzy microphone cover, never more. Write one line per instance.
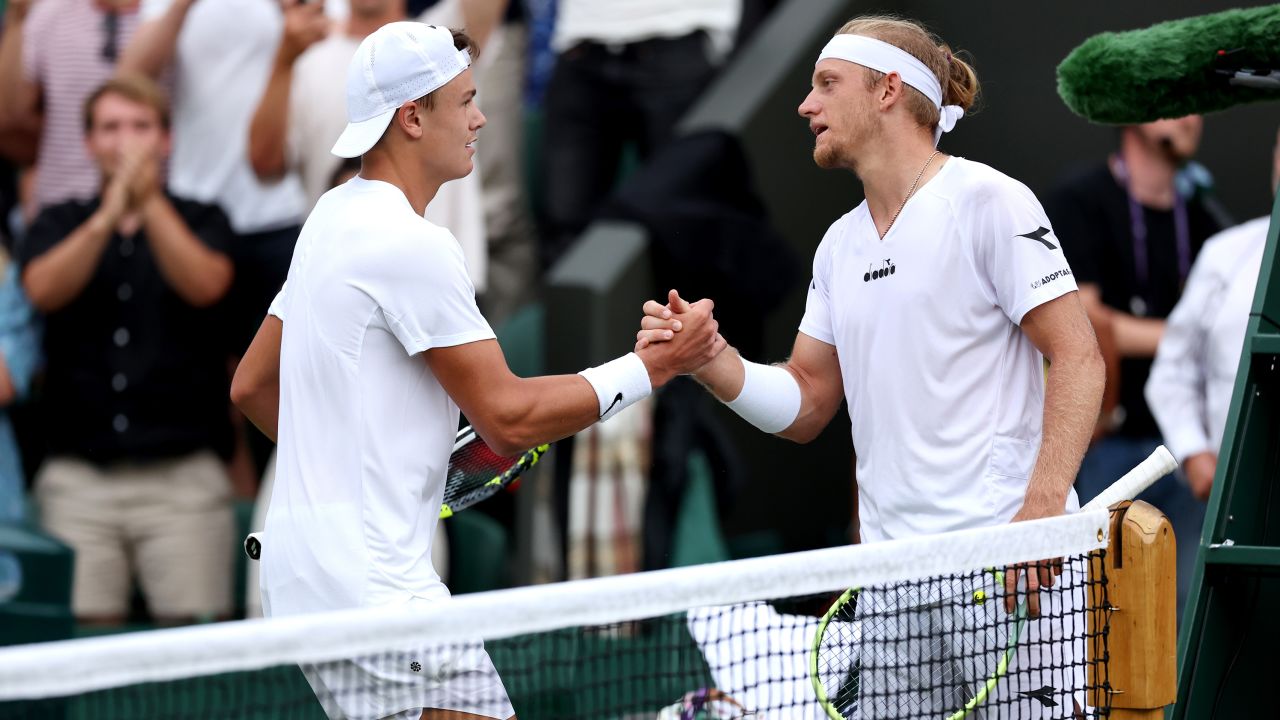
(1167, 70)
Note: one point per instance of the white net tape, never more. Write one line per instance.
(72, 667)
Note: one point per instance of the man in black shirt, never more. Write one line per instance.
(134, 407)
(1130, 228)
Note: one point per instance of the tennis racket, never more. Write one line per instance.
(843, 658)
(476, 473)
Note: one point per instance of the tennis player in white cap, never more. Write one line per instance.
(361, 367)
(933, 307)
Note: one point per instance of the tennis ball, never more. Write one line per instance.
(979, 596)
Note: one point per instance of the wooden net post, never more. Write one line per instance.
(1142, 591)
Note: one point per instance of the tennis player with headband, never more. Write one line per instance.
(933, 306)
(368, 353)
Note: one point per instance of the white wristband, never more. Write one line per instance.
(619, 384)
(770, 397)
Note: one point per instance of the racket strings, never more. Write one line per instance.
(476, 472)
(474, 469)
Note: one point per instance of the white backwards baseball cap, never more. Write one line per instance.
(399, 62)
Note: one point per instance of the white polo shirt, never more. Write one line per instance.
(945, 392)
(365, 428)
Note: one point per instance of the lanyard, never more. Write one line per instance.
(1138, 231)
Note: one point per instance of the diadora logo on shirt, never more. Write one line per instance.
(1039, 236)
(1064, 272)
(886, 269)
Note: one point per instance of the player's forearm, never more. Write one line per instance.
(726, 378)
(152, 47)
(268, 130)
(819, 400)
(529, 412)
(1073, 397)
(724, 375)
(198, 274)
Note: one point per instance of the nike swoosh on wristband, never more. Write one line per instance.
(616, 400)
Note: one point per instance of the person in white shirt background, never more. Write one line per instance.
(1194, 373)
(371, 350)
(933, 307)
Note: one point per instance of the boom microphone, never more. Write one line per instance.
(1182, 67)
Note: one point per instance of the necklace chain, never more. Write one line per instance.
(910, 192)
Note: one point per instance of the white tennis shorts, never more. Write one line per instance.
(399, 684)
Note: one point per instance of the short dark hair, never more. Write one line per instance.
(461, 41)
(130, 86)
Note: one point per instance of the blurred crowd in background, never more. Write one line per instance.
(160, 156)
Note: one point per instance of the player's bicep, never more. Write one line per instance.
(476, 377)
(1060, 328)
(816, 368)
(255, 389)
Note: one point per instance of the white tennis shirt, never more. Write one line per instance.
(365, 428)
(945, 392)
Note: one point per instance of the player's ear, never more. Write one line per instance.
(890, 89)
(410, 118)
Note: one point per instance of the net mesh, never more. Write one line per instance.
(877, 631)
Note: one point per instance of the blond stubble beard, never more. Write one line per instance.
(833, 156)
(839, 154)
(827, 157)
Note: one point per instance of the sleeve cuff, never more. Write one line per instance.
(462, 338)
(1040, 296)
(1186, 442)
(817, 333)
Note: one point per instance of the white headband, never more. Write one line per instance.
(883, 57)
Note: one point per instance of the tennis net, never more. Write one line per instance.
(905, 629)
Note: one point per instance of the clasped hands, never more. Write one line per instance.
(134, 179)
(677, 338)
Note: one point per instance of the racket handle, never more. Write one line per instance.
(1160, 463)
(253, 545)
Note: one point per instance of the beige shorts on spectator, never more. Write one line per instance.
(168, 521)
